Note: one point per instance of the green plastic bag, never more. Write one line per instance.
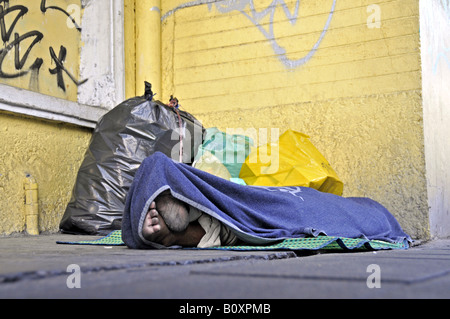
(230, 149)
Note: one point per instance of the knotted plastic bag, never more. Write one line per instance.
(122, 139)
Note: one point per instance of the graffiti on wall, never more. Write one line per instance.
(248, 9)
(37, 40)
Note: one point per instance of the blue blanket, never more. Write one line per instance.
(256, 214)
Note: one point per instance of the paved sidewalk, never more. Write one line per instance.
(37, 267)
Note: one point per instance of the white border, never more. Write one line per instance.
(102, 58)
(435, 57)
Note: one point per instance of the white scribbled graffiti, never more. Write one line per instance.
(256, 17)
(247, 8)
(441, 56)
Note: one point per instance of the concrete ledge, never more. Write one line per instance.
(26, 102)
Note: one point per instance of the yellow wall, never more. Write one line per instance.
(51, 153)
(35, 31)
(143, 46)
(334, 75)
(130, 47)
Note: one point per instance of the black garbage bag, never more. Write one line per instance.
(122, 139)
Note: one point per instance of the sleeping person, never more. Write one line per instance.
(174, 204)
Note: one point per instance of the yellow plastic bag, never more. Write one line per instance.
(293, 161)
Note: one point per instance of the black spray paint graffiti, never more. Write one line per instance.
(44, 8)
(13, 46)
(58, 70)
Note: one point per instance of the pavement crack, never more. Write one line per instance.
(44, 274)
